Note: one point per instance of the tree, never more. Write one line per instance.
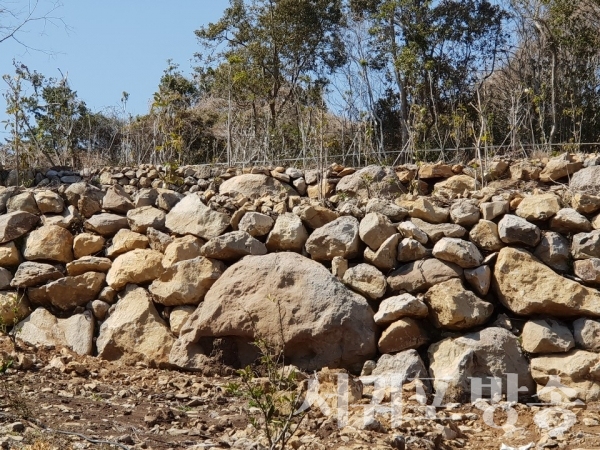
(15, 20)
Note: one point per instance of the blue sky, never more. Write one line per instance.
(113, 46)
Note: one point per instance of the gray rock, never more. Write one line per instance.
(587, 334)
(516, 230)
(15, 224)
(337, 238)
(191, 216)
(34, 274)
(106, 224)
(419, 276)
(232, 246)
(587, 179)
(586, 245)
(410, 250)
(385, 256)
(588, 270)
(366, 280)
(546, 336)
(140, 219)
(480, 279)
(256, 224)
(404, 305)
(567, 221)
(554, 251)
(464, 213)
(392, 211)
(435, 232)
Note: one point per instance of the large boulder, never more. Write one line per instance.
(491, 352)
(526, 286)
(15, 224)
(49, 243)
(191, 216)
(255, 186)
(41, 328)
(186, 282)
(455, 308)
(281, 294)
(69, 292)
(137, 266)
(577, 371)
(135, 332)
(337, 238)
(232, 246)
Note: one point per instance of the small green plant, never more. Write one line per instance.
(273, 391)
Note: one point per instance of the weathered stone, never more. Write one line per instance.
(41, 328)
(559, 167)
(159, 241)
(480, 279)
(191, 216)
(186, 247)
(86, 244)
(516, 230)
(186, 282)
(588, 270)
(316, 216)
(394, 212)
(546, 336)
(410, 230)
(337, 238)
(485, 236)
(578, 374)
(456, 185)
(410, 250)
(491, 352)
(568, 221)
(134, 332)
(88, 264)
(68, 292)
(462, 253)
(587, 334)
(145, 197)
(425, 209)
(85, 197)
(106, 224)
(167, 199)
(179, 315)
(526, 286)
(69, 218)
(288, 234)
(374, 229)
(385, 257)
(586, 245)
(117, 200)
(366, 280)
(49, 202)
(15, 224)
(437, 170)
(49, 243)
(125, 241)
(553, 250)
(491, 210)
(538, 207)
(339, 266)
(33, 274)
(24, 201)
(140, 219)
(300, 186)
(137, 266)
(419, 276)
(232, 246)
(324, 323)
(256, 224)
(402, 367)
(585, 203)
(255, 186)
(464, 213)
(371, 181)
(5, 278)
(404, 305)
(586, 180)
(455, 308)
(99, 309)
(437, 231)
(14, 307)
(403, 334)
(9, 255)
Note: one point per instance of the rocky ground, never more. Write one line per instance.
(71, 401)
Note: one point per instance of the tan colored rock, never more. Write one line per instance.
(425, 209)
(516, 230)
(49, 202)
(464, 213)
(105, 224)
(9, 255)
(69, 218)
(526, 286)
(316, 216)
(14, 307)
(232, 246)
(88, 264)
(288, 234)
(180, 249)
(410, 250)
(33, 274)
(49, 243)
(68, 292)
(585, 203)
(409, 230)
(179, 315)
(254, 186)
(577, 371)
(586, 245)
(256, 224)
(140, 219)
(491, 352)
(456, 185)
(398, 307)
(136, 267)
(191, 216)
(403, 334)
(312, 303)
(588, 270)
(568, 221)
(135, 333)
(538, 207)
(41, 328)
(15, 224)
(462, 253)
(480, 279)
(546, 336)
(5, 278)
(85, 197)
(25, 201)
(366, 280)
(559, 167)
(125, 241)
(435, 232)
(455, 308)
(374, 229)
(371, 181)
(437, 170)
(385, 257)
(186, 282)
(337, 238)
(419, 276)
(117, 200)
(87, 244)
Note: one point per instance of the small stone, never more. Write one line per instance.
(457, 251)
(366, 280)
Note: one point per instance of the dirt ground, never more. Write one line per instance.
(57, 400)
